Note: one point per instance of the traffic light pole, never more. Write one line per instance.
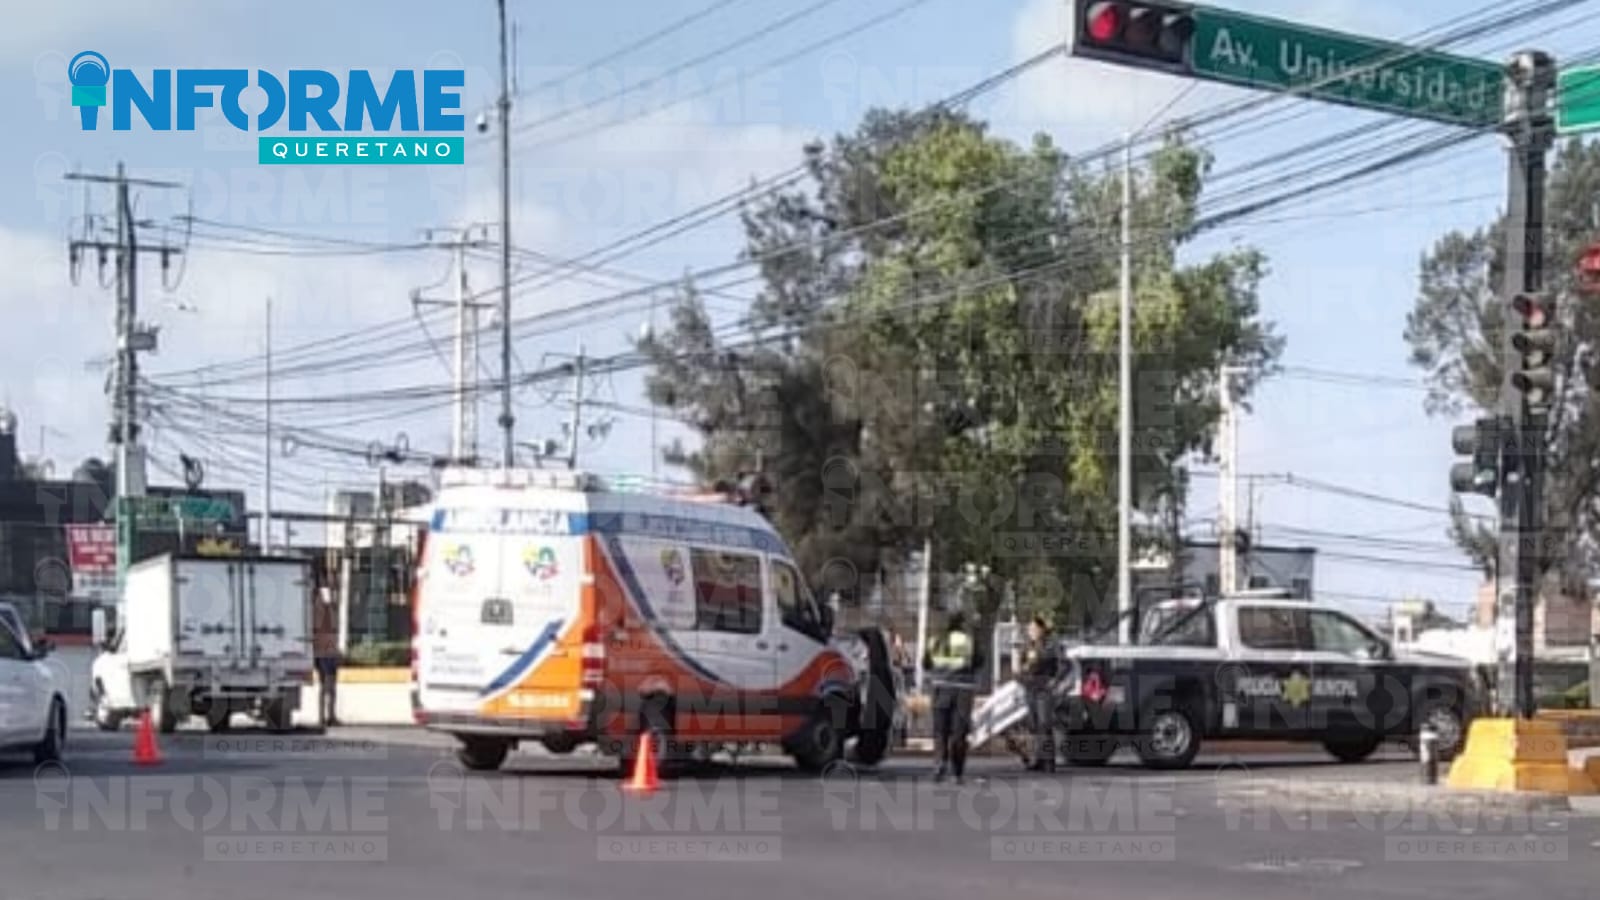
(1530, 130)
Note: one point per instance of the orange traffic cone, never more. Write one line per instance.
(145, 751)
(645, 779)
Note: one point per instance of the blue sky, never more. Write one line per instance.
(1343, 265)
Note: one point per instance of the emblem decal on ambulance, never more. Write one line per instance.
(672, 563)
(458, 559)
(541, 562)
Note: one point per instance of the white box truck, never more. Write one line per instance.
(207, 637)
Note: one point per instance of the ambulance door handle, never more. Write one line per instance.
(761, 645)
(782, 648)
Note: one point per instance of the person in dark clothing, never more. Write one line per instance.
(953, 663)
(1039, 674)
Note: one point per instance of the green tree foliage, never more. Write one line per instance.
(933, 355)
(1455, 330)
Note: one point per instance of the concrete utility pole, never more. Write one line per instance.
(266, 493)
(1125, 409)
(1528, 125)
(132, 339)
(1228, 485)
(464, 412)
(507, 420)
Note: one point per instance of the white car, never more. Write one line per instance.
(33, 705)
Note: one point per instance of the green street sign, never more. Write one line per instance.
(164, 512)
(1578, 99)
(1271, 55)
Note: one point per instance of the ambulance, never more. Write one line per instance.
(552, 607)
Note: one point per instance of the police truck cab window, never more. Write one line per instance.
(1268, 628)
(1334, 633)
(727, 592)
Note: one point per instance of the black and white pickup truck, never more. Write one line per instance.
(1276, 669)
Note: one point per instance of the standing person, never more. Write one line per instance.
(953, 663)
(325, 647)
(1039, 675)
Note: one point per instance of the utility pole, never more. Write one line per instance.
(1125, 409)
(266, 498)
(577, 409)
(1528, 125)
(1228, 485)
(464, 412)
(507, 420)
(132, 339)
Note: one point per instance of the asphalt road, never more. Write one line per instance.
(251, 815)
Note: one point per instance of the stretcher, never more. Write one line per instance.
(1002, 714)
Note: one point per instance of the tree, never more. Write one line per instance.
(932, 354)
(1454, 331)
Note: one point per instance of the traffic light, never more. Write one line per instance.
(1151, 35)
(1535, 346)
(1482, 441)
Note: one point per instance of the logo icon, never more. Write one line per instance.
(672, 562)
(458, 560)
(89, 72)
(541, 562)
(1297, 690)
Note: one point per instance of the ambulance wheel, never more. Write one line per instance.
(876, 730)
(1170, 739)
(821, 742)
(481, 754)
(559, 744)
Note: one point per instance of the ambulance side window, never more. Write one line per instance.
(796, 609)
(727, 592)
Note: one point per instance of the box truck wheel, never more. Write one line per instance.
(161, 711)
(105, 718)
(219, 715)
(276, 714)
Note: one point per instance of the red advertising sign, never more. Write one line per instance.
(92, 549)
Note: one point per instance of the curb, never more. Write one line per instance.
(1389, 797)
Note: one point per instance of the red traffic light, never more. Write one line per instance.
(1533, 309)
(1150, 34)
(1104, 21)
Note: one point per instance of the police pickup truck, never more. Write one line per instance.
(1258, 668)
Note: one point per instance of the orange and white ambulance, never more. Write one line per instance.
(551, 607)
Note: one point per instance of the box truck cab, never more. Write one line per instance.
(552, 608)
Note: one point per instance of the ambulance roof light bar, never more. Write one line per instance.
(547, 479)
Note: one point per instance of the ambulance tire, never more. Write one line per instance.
(876, 729)
(483, 754)
(820, 743)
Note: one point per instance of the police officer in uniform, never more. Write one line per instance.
(953, 663)
(1039, 675)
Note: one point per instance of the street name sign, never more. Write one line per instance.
(1578, 99)
(1267, 54)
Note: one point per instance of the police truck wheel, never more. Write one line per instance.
(1089, 750)
(1354, 748)
(483, 754)
(1171, 739)
(1444, 717)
